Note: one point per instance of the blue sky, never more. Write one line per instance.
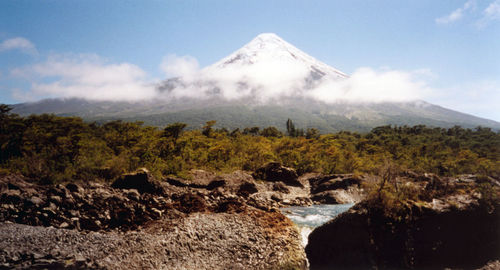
(54, 46)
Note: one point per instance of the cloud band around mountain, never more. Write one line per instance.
(91, 77)
(273, 80)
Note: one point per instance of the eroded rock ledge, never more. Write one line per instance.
(451, 223)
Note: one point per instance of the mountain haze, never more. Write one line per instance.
(263, 84)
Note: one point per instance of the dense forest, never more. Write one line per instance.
(59, 149)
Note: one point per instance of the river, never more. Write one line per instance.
(309, 217)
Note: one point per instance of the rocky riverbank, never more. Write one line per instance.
(232, 221)
(210, 222)
(246, 240)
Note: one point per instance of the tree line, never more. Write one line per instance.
(56, 149)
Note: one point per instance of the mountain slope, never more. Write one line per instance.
(304, 113)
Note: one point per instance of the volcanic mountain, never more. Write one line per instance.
(262, 84)
(266, 68)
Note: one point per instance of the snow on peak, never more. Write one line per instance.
(269, 48)
(264, 69)
(269, 37)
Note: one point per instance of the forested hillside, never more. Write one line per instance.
(59, 149)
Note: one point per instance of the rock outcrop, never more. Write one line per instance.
(261, 194)
(94, 207)
(336, 189)
(274, 172)
(141, 181)
(457, 227)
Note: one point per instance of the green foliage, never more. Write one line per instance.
(57, 149)
(312, 133)
(292, 131)
(489, 195)
(11, 131)
(271, 132)
(290, 128)
(174, 130)
(207, 129)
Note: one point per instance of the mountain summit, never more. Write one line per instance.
(263, 84)
(270, 48)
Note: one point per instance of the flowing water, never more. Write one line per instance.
(309, 217)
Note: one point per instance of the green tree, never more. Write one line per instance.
(312, 133)
(207, 129)
(271, 132)
(174, 130)
(290, 128)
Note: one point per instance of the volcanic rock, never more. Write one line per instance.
(274, 172)
(458, 231)
(141, 180)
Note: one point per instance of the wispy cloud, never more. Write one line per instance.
(456, 14)
(84, 76)
(490, 13)
(493, 10)
(481, 17)
(18, 43)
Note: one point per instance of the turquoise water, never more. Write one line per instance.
(309, 217)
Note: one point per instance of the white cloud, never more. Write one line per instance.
(457, 14)
(175, 66)
(18, 43)
(368, 85)
(271, 80)
(85, 76)
(267, 79)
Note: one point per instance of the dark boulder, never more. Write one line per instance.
(231, 205)
(176, 182)
(333, 182)
(246, 189)
(75, 188)
(327, 197)
(189, 202)
(216, 183)
(275, 172)
(141, 180)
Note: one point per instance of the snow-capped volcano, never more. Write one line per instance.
(266, 82)
(270, 48)
(266, 68)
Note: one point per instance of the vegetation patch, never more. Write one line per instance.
(60, 149)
